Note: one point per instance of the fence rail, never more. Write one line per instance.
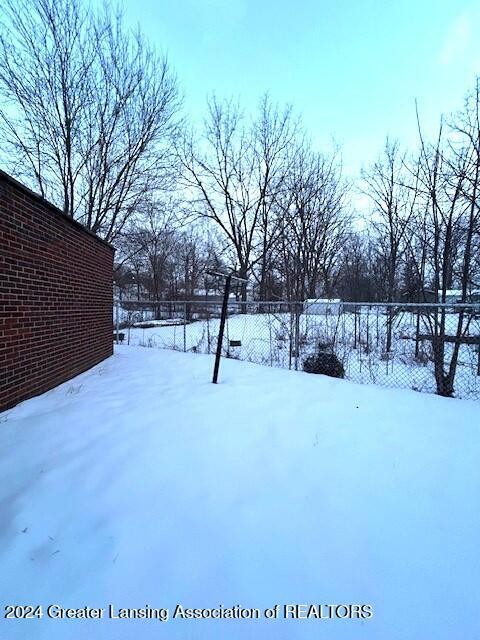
(427, 347)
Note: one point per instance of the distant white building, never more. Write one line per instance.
(454, 296)
(322, 306)
(451, 295)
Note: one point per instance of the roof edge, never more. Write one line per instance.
(5, 177)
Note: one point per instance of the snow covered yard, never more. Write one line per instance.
(141, 483)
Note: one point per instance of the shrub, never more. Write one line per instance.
(324, 361)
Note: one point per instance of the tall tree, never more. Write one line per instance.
(90, 109)
(393, 208)
(315, 223)
(449, 172)
(234, 173)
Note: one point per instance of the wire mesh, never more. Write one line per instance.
(426, 347)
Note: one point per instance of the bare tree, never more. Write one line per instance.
(449, 172)
(394, 206)
(44, 56)
(276, 147)
(90, 109)
(130, 128)
(154, 238)
(234, 172)
(315, 224)
(355, 280)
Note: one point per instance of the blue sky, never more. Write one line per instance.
(352, 68)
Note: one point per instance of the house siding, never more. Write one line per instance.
(55, 295)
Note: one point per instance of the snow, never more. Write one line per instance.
(159, 323)
(141, 483)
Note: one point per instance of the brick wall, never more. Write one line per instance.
(55, 295)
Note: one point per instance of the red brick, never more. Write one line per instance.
(55, 295)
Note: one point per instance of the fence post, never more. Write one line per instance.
(291, 336)
(417, 333)
(297, 334)
(184, 327)
(117, 322)
(355, 323)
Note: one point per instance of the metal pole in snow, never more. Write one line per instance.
(228, 279)
(223, 317)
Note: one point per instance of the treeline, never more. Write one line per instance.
(91, 117)
(280, 214)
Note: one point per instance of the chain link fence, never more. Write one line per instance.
(431, 348)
